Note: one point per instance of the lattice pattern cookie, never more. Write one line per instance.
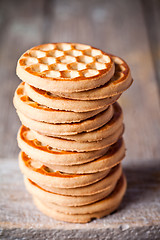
(120, 82)
(65, 67)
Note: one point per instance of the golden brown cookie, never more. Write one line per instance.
(71, 145)
(86, 213)
(103, 132)
(51, 129)
(120, 81)
(91, 189)
(42, 113)
(41, 174)
(39, 151)
(113, 156)
(63, 200)
(66, 67)
(60, 103)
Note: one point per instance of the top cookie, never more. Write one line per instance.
(65, 67)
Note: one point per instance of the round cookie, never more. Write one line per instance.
(60, 103)
(103, 132)
(63, 200)
(85, 218)
(39, 151)
(121, 80)
(70, 162)
(66, 67)
(42, 113)
(68, 129)
(41, 174)
(93, 207)
(113, 156)
(88, 212)
(70, 145)
(91, 189)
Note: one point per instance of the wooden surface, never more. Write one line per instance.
(128, 29)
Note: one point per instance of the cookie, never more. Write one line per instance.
(86, 213)
(120, 82)
(113, 156)
(71, 145)
(60, 103)
(66, 67)
(85, 218)
(103, 132)
(50, 129)
(70, 162)
(91, 189)
(39, 173)
(39, 151)
(40, 112)
(63, 200)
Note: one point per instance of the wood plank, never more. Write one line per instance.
(18, 35)
(137, 218)
(151, 11)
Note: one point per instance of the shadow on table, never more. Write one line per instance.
(143, 183)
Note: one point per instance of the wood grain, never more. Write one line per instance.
(119, 27)
(151, 11)
(137, 218)
(18, 35)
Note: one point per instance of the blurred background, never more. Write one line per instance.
(129, 29)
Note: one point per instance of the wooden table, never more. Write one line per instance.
(125, 28)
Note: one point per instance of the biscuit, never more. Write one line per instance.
(91, 189)
(60, 103)
(66, 67)
(103, 132)
(40, 112)
(113, 156)
(39, 151)
(120, 82)
(63, 200)
(39, 173)
(51, 129)
(86, 213)
(71, 145)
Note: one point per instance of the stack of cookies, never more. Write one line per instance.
(71, 138)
